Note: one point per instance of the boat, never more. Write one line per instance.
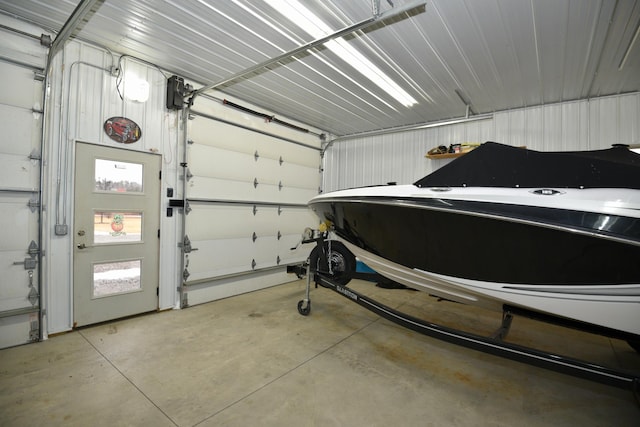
(550, 234)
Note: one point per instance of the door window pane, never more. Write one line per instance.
(111, 227)
(121, 177)
(116, 278)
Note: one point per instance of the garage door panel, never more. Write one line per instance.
(287, 152)
(293, 195)
(22, 90)
(221, 135)
(215, 258)
(295, 220)
(265, 252)
(222, 189)
(22, 136)
(14, 286)
(220, 221)
(18, 329)
(269, 170)
(292, 256)
(213, 162)
(228, 221)
(228, 137)
(300, 176)
(223, 257)
(217, 163)
(208, 222)
(18, 172)
(266, 222)
(15, 211)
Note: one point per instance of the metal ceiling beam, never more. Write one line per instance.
(340, 33)
(83, 8)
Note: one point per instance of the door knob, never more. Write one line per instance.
(82, 246)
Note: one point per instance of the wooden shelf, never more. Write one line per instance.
(454, 155)
(445, 155)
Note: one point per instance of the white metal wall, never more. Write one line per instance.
(400, 157)
(247, 185)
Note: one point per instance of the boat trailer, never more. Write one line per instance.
(493, 344)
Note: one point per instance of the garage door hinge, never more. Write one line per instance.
(32, 251)
(186, 245)
(185, 275)
(38, 76)
(33, 203)
(35, 155)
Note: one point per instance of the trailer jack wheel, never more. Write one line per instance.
(304, 307)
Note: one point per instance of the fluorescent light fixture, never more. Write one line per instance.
(135, 88)
(314, 26)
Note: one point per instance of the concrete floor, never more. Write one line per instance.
(253, 360)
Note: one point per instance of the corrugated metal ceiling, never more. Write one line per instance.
(498, 54)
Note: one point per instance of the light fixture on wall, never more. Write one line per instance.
(135, 88)
(314, 26)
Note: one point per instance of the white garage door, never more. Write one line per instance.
(246, 193)
(20, 124)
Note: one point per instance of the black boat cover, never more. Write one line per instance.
(499, 165)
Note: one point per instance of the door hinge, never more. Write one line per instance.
(186, 245)
(158, 233)
(32, 251)
(33, 204)
(158, 292)
(35, 155)
(160, 175)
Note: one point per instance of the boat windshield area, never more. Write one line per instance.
(499, 165)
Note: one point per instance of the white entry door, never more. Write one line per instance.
(116, 233)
